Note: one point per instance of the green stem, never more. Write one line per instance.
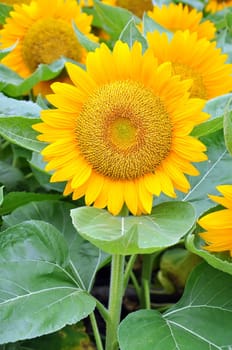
(136, 285)
(102, 310)
(115, 301)
(146, 280)
(96, 332)
(128, 269)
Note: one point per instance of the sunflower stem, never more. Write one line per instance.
(96, 331)
(115, 301)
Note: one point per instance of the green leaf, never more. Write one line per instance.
(88, 44)
(165, 226)
(85, 258)
(222, 262)
(4, 12)
(228, 131)
(200, 320)
(14, 200)
(10, 176)
(4, 52)
(13, 85)
(108, 14)
(216, 108)
(42, 176)
(130, 34)
(18, 130)
(11, 106)
(33, 240)
(38, 295)
(149, 25)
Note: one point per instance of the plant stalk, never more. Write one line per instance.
(96, 332)
(115, 301)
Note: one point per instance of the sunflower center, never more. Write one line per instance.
(123, 130)
(198, 87)
(47, 40)
(138, 7)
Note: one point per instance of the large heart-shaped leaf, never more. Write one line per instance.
(200, 320)
(38, 291)
(165, 226)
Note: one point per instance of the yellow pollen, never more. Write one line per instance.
(138, 7)
(198, 87)
(47, 40)
(123, 130)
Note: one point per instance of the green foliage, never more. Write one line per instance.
(38, 292)
(165, 226)
(88, 44)
(18, 130)
(107, 15)
(13, 107)
(220, 261)
(216, 170)
(131, 33)
(85, 258)
(200, 320)
(4, 12)
(13, 85)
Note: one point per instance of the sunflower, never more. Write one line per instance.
(179, 17)
(194, 58)
(121, 133)
(218, 225)
(44, 34)
(217, 5)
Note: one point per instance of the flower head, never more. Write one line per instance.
(43, 34)
(194, 58)
(121, 133)
(179, 17)
(217, 5)
(218, 225)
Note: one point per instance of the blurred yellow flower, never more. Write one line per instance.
(194, 58)
(179, 17)
(217, 5)
(218, 225)
(121, 133)
(44, 34)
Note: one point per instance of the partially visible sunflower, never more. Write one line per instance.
(121, 133)
(44, 34)
(218, 225)
(194, 58)
(217, 5)
(179, 17)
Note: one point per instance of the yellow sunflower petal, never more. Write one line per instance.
(221, 219)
